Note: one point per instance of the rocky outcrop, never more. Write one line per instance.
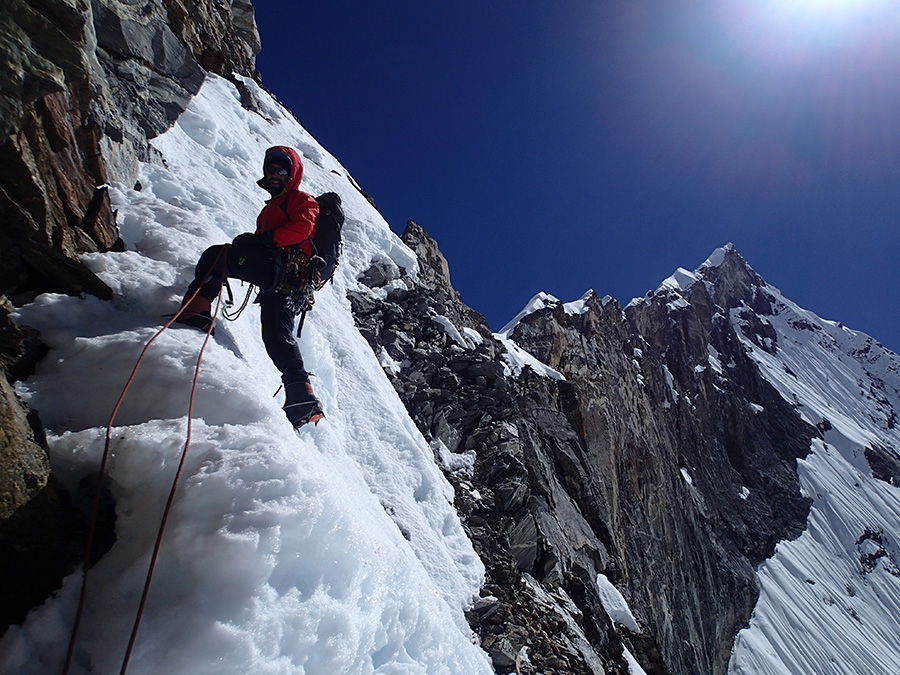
(447, 368)
(36, 520)
(52, 202)
(85, 85)
(26, 466)
(150, 58)
(658, 458)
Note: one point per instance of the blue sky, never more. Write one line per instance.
(564, 146)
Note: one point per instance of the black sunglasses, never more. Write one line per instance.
(278, 171)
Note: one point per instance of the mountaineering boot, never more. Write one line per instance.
(300, 404)
(197, 313)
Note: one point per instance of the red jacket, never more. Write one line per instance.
(291, 216)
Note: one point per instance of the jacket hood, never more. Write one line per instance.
(296, 166)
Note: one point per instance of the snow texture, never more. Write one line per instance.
(830, 600)
(615, 605)
(334, 550)
(537, 303)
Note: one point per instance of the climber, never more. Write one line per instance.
(284, 228)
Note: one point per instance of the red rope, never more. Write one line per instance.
(165, 516)
(102, 472)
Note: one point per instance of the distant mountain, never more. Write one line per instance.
(704, 481)
(658, 448)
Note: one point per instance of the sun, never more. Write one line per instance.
(825, 20)
(792, 34)
(831, 7)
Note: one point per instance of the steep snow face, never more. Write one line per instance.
(336, 550)
(830, 600)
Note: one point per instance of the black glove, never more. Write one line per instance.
(250, 239)
(246, 239)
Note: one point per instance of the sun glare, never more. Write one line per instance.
(792, 34)
(827, 22)
(832, 7)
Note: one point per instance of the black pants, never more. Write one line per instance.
(260, 266)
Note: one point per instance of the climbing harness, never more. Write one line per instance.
(297, 281)
(169, 501)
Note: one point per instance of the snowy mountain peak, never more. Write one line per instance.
(717, 257)
(847, 385)
(727, 274)
(682, 279)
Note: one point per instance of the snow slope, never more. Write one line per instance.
(830, 600)
(336, 550)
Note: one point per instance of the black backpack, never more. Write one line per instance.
(327, 239)
(301, 276)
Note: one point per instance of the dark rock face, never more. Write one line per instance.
(150, 58)
(663, 461)
(26, 466)
(884, 463)
(51, 201)
(85, 85)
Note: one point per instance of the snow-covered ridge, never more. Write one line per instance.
(335, 551)
(516, 359)
(537, 303)
(542, 301)
(682, 280)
